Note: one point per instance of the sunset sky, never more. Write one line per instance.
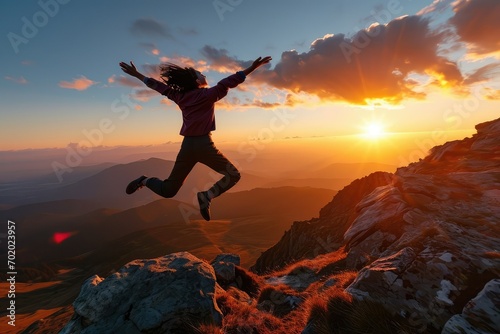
(339, 68)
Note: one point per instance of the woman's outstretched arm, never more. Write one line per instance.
(154, 84)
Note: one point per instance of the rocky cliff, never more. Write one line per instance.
(427, 239)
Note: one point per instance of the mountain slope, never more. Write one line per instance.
(108, 186)
(254, 218)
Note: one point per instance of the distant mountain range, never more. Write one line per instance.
(106, 183)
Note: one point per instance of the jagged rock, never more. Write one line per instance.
(480, 315)
(156, 296)
(224, 266)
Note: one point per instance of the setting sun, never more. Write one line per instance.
(374, 131)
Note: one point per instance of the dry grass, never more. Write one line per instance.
(335, 311)
(248, 281)
(276, 300)
(208, 329)
(316, 264)
(492, 255)
(246, 318)
(272, 311)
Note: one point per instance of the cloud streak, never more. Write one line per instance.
(80, 84)
(151, 27)
(21, 80)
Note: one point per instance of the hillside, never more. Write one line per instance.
(237, 216)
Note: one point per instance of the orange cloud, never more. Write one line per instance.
(127, 81)
(477, 24)
(491, 94)
(374, 64)
(166, 102)
(81, 83)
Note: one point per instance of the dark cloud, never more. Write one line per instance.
(150, 27)
(477, 23)
(221, 61)
(188, 31)
(376, 63)
(484, 74)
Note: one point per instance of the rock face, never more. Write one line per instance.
(483, 311)
(426, 239)
(159, 295)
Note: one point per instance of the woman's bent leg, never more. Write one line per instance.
(183, 165)
(214, 159)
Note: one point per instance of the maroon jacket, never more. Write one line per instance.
(197, 105)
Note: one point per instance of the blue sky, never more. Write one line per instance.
(85, 40)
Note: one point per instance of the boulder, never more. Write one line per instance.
(158, 295)
(224, 266)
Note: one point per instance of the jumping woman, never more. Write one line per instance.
(188, 88)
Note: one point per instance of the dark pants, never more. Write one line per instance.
(193, 150)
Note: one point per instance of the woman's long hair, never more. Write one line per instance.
(180, 78)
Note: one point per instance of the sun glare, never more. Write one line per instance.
(374, 131)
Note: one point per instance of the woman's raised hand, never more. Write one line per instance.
(129, 69)
(261, 61)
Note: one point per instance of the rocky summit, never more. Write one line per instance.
(423, 244)
(426, 239)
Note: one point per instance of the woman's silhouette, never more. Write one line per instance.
(187, 87)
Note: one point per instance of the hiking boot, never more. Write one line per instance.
(204, 202)
(135, 185)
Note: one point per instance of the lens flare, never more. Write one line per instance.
(59, 237)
